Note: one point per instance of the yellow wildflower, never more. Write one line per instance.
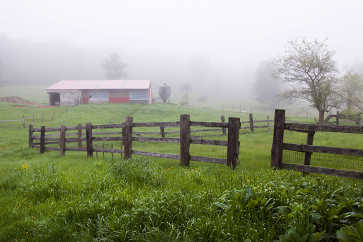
(170, 168)
(24, 166)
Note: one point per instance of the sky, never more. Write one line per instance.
(233, 35)
(226, 29)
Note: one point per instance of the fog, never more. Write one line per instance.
(214, 46)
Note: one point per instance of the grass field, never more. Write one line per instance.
(34, 93)
(52, 198)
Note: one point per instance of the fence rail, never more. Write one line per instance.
(323, 128)
(162, 126)
(34, 118)
(61, 137)
(351, 117)
(278, 146)
(87, 134)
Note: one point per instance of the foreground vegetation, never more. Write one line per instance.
(52, 198)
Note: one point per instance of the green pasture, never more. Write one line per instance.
(35, 93)
(47, 197)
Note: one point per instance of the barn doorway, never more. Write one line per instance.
(54, 99)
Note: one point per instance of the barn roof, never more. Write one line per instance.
(99, 84)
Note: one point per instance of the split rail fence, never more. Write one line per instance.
(252, 123)
(88, 134)
(278, 146)
(339, 116)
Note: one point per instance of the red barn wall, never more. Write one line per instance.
(119, 96)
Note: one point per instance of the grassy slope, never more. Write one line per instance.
(72, 198)
(30, 92)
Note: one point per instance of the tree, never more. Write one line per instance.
(185, 89)
(114, 67)
(351, 92)
(267, 84)
(310, 69)
(164, 92)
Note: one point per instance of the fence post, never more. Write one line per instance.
(30, 136)
(42, 140)
(278, 138)
(79, 127)
(251, 122)
(162, 131)
(62, 140)
(127, 138)
(89, 140)
(112, 151)
(337, 119)
(234, 125)
(309, 141)
(223, 119)
(122, 141)
(184, 139)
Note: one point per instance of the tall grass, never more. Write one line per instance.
(52, 198)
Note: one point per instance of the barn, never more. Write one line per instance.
(74, 92)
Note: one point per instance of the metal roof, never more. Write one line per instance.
(99, 84)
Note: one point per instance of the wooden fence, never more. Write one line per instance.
(125, 134)
(32, 119)
(278, 146)
(252, 123)
(339, 116)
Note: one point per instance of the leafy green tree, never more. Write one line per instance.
(352, 92)
(309, 68)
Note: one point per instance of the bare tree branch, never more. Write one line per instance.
(309, 66)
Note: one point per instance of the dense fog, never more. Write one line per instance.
(213, 49)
